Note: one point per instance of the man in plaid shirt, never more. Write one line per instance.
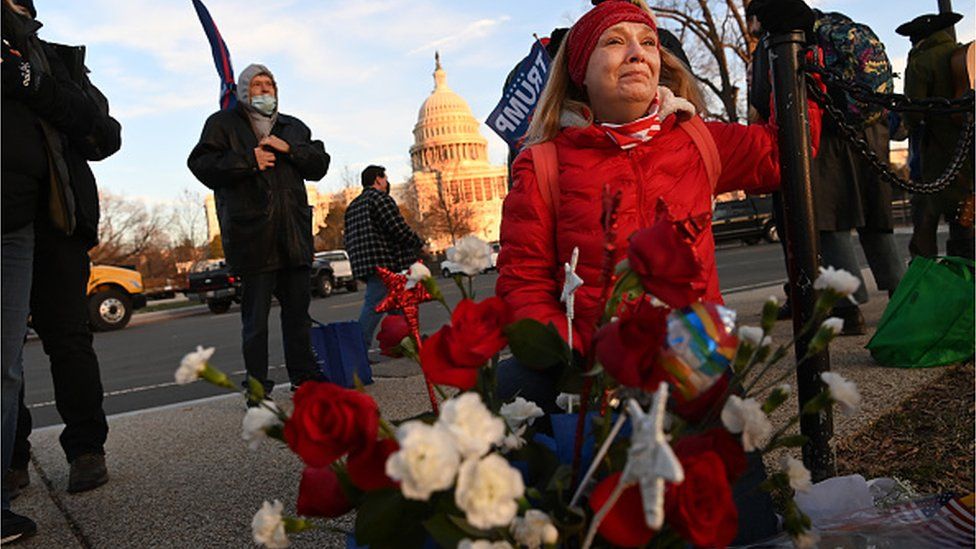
(377, 236)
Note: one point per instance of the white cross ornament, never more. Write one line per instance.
(650, 459)
(571, 284)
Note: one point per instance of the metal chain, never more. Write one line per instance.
(881, 166)
(892, 101)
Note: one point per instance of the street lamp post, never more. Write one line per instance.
(944, 7)
(802, 246)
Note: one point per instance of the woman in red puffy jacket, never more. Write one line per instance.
(623, 115)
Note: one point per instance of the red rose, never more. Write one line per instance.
(320, 494)
(329, 421)
(664, 257)
(628, 349)
(624, 525)
(721, 442)
(367, 466)
(455, 353)
(696, 409)
(392, 331)
(701, 509)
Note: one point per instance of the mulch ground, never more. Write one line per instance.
(928, 440)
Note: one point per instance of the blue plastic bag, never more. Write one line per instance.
(341, 352)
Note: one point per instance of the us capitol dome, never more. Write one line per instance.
(453, 184)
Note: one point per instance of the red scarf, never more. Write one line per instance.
(631, 134)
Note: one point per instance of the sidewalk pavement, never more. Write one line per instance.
(182, 477)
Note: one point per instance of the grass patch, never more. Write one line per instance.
(927, 440)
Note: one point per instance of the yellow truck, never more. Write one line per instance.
(113, 293)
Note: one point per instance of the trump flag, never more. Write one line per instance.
(511, 117)
(221, 57)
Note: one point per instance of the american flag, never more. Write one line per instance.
(934, 521)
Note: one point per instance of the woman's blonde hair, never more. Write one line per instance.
(17, 8)
(561, 94)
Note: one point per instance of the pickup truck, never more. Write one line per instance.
(341, 268)
(216, 286)
(113, 293)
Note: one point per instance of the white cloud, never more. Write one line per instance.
(473, 31)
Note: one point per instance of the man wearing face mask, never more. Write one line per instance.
(256, 160)
(377, 236)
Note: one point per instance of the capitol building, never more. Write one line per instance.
(452, 185)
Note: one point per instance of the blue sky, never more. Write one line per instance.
(356, 72)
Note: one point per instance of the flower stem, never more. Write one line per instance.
(388, 429)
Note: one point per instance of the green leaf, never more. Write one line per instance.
(536, 346)
(468, 530)
(792, 441)
(444, 531)
(255, 390)
(541, 462)
(774, 400)
(386, 519)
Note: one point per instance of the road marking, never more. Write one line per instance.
(141, 388)
(757, 285)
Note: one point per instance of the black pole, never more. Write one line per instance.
(802, 246)
(944, 7)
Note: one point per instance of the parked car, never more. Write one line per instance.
(113, 294)
(341, 268)
(323, 277)
(749, 220)
(214, 285)
(495, 248)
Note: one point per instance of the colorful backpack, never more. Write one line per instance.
(853, 50)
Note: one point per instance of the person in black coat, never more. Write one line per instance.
(53, 122)
(256, 161)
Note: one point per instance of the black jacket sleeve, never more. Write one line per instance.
(308, 155)
(397, 230)
(213, 161)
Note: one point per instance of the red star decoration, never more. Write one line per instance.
(400, 298)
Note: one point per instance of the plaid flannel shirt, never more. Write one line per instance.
(377, 236)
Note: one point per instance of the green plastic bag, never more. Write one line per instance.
(929, 320)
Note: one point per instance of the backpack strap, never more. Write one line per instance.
(546, 166)
(696, 129)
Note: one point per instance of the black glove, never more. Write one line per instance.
(779, 16)
(19, 77)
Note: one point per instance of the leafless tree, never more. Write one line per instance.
(718, 44)
(448, 215)
(188, 219)
(128, 229)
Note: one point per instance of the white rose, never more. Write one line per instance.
(833, 324)
(257, 421)
(472, 425)
(472, 255)
(486, 491)
(534, 530)
(519, 412)
(798, 474)
(417, 272)
(268, 527)
(746, 417)
(842, 392)
(837, 280)
(426, 462)
(483, 544)
(753, 335)
(193, 364)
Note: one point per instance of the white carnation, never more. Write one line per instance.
(426, 462)
(746, 417)
(834, 324)
(487, 490)
(520, 412)
(472, 425)
(837, 280)
(417, 272)
(842, 392)
(514, 440)
(753, 335)
(483, 544)
(193, 364)
(798, 474)
(257, 421)
(534, 530)
(471, 254)
(267, 526)
(567, 401)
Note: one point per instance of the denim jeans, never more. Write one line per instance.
(292, 287)
(369, 319)
(837, 250)
(16, 259)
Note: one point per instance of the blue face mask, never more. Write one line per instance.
(264, 104)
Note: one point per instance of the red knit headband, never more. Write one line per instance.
(583, 36)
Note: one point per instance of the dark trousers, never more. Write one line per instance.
(926, 217)
(59, 313)
(292, 288)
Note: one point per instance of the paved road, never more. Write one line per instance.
(137, 363)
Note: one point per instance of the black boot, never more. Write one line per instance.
(88, 472)
(853, 320)
(16, 527)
